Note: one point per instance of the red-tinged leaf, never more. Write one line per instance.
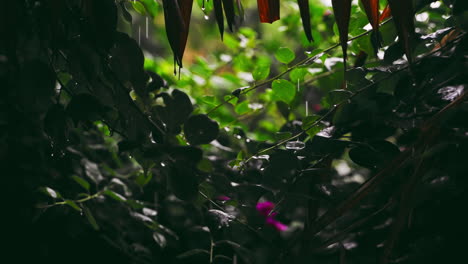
(268, 10)
(305, 15)
(177, 15)
(218, 10)
(372, 11)
(386, 13)
(229, 11)
(342, 10)
(403, 16)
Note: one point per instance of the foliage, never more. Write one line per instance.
(266, 147)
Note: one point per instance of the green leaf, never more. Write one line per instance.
(205, 165)
(115, 195)
(82, 182)
(73, 205)
(139, 7)
(297, 74)
(90, 218)
(309, 120)
(51, 192)
(285, 55)
(336, 97)
(279, 136)
(262, 69)
(242, 108)
(284, 90)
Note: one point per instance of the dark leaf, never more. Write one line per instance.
(342, 10)
(127, 16)
(305, 15)
(183, 181)
(218, 10)
(90, 217)
(127, 62)
(85, 107)
(177, 15)
(268, 10)
(199, 129)
(229, 11)
(177, 109)
(284, 109)
(403, 16)
(101, 18)
(375, 154)
(372, 11)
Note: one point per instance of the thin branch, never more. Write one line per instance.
(304, 62)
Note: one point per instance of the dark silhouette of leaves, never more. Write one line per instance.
(403, 16)
(177, 14)
(342, 10)
(218, 10)
(305, 16)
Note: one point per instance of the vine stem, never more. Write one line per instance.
(79, 201)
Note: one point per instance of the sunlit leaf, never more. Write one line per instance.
(284, 90)
(285, 55)
(262, 69)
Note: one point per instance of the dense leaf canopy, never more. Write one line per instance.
(234, 131)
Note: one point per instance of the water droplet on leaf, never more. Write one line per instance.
(295, 145)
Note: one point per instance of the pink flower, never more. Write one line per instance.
(223, 198)
(265, 209)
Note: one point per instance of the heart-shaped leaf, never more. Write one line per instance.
(199, 129)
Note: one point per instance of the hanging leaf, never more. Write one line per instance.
(218, 10)
(268, 10)
(403, 16)
(240, 11)
(386, 13)
(342, 10)
(372, 11)
(229, 11)
(305, 15)
(177, 15)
